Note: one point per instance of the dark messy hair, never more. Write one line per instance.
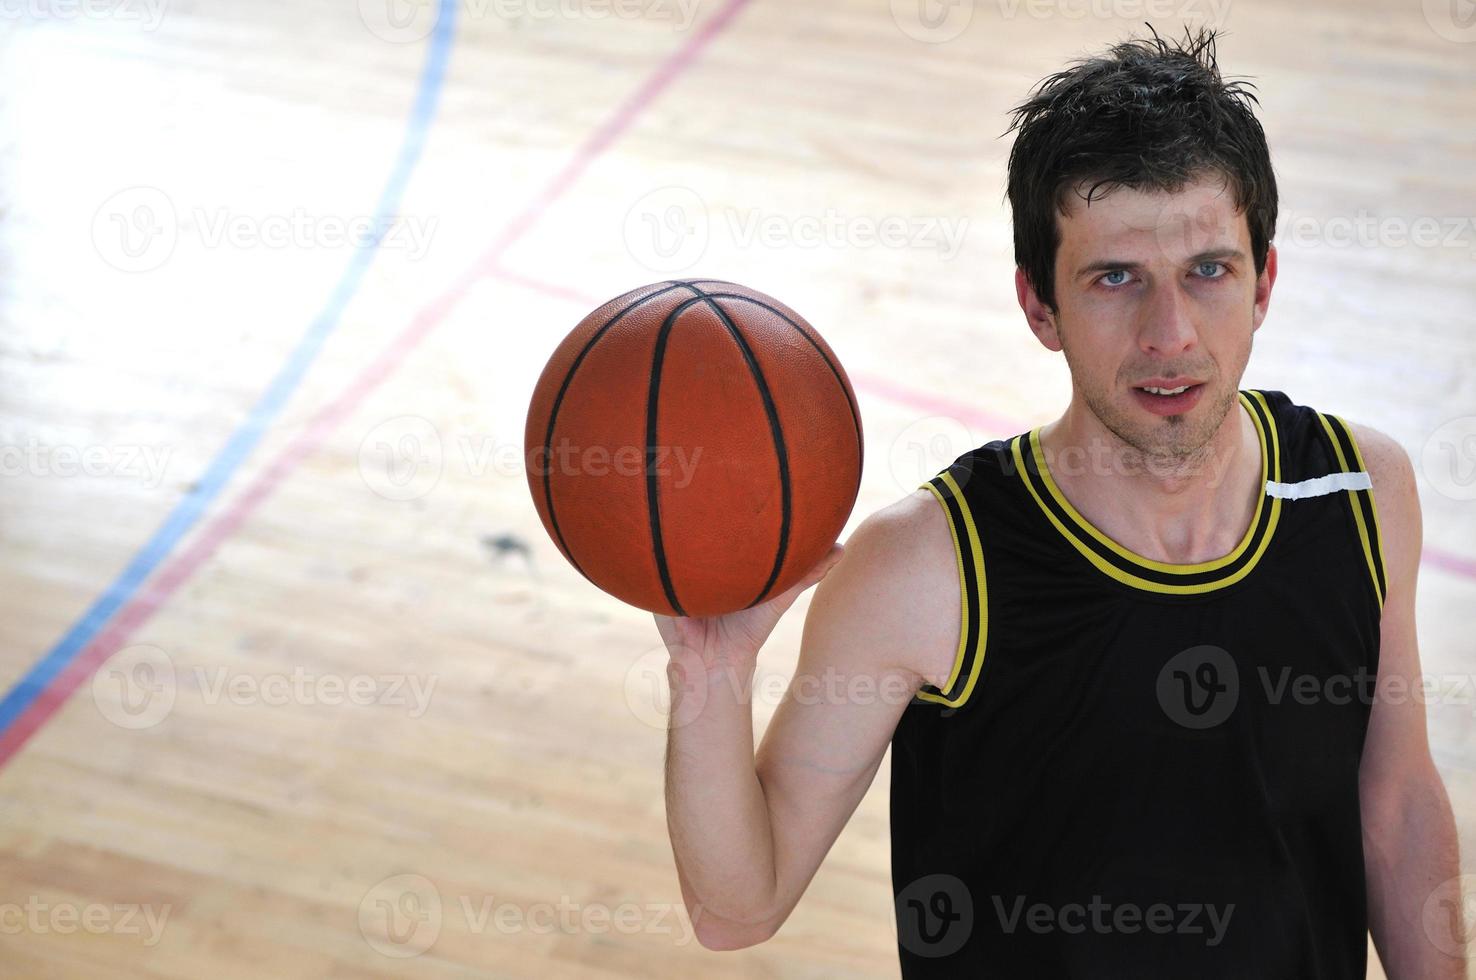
(1150, 114)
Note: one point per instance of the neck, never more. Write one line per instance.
(1177, 508)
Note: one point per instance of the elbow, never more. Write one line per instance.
(731, 926)
(723, 935)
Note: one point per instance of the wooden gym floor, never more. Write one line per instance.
(297, 685)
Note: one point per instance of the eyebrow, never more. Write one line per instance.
(1210, 255)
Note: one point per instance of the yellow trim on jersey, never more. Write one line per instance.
(1375, 561)
(963, 603)
(1270, 463)
(977, 556)
(1209, 566)
(1275, 438)
(1373, 500)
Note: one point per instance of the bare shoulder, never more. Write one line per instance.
(1384, 456)
(899, 580)
(1396, 494)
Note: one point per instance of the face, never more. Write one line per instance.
(1155, 291)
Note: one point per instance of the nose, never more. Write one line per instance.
(1166, 326)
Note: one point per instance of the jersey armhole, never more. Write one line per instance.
(1361, 501)
(973, 596)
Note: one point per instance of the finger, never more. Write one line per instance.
(834, 555)
(823, 567)
(815, 574)
(669, 628)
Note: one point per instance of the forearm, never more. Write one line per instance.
(1411, 854)
(715, 808)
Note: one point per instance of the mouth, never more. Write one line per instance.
(1168, 396)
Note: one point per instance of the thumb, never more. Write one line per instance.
(832, 558)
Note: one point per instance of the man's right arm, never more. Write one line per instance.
(749, 833)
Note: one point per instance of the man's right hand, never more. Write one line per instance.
(703, 645)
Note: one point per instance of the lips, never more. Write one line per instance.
(1168, 384)
(1168, 404)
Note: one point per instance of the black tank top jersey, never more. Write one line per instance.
(1139, 769)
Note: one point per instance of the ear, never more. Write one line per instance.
(1264, 282)
(1042, 318)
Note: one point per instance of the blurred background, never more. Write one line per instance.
(295, 683)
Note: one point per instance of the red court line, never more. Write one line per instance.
(937, 404)
(1450, 562)
(182, 567)
(1000, 425)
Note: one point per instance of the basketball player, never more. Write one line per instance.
(1133, 665)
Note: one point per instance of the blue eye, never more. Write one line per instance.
(1210, 270)
(1107, 277)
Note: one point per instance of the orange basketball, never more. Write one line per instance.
(693, 447)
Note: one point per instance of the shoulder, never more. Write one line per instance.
(899, 581)
(1395, 492)
(1389, 468)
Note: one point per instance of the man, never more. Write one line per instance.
(1127, 662)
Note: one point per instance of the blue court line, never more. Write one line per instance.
(188, 511)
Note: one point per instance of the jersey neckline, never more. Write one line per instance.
(1130, 568)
